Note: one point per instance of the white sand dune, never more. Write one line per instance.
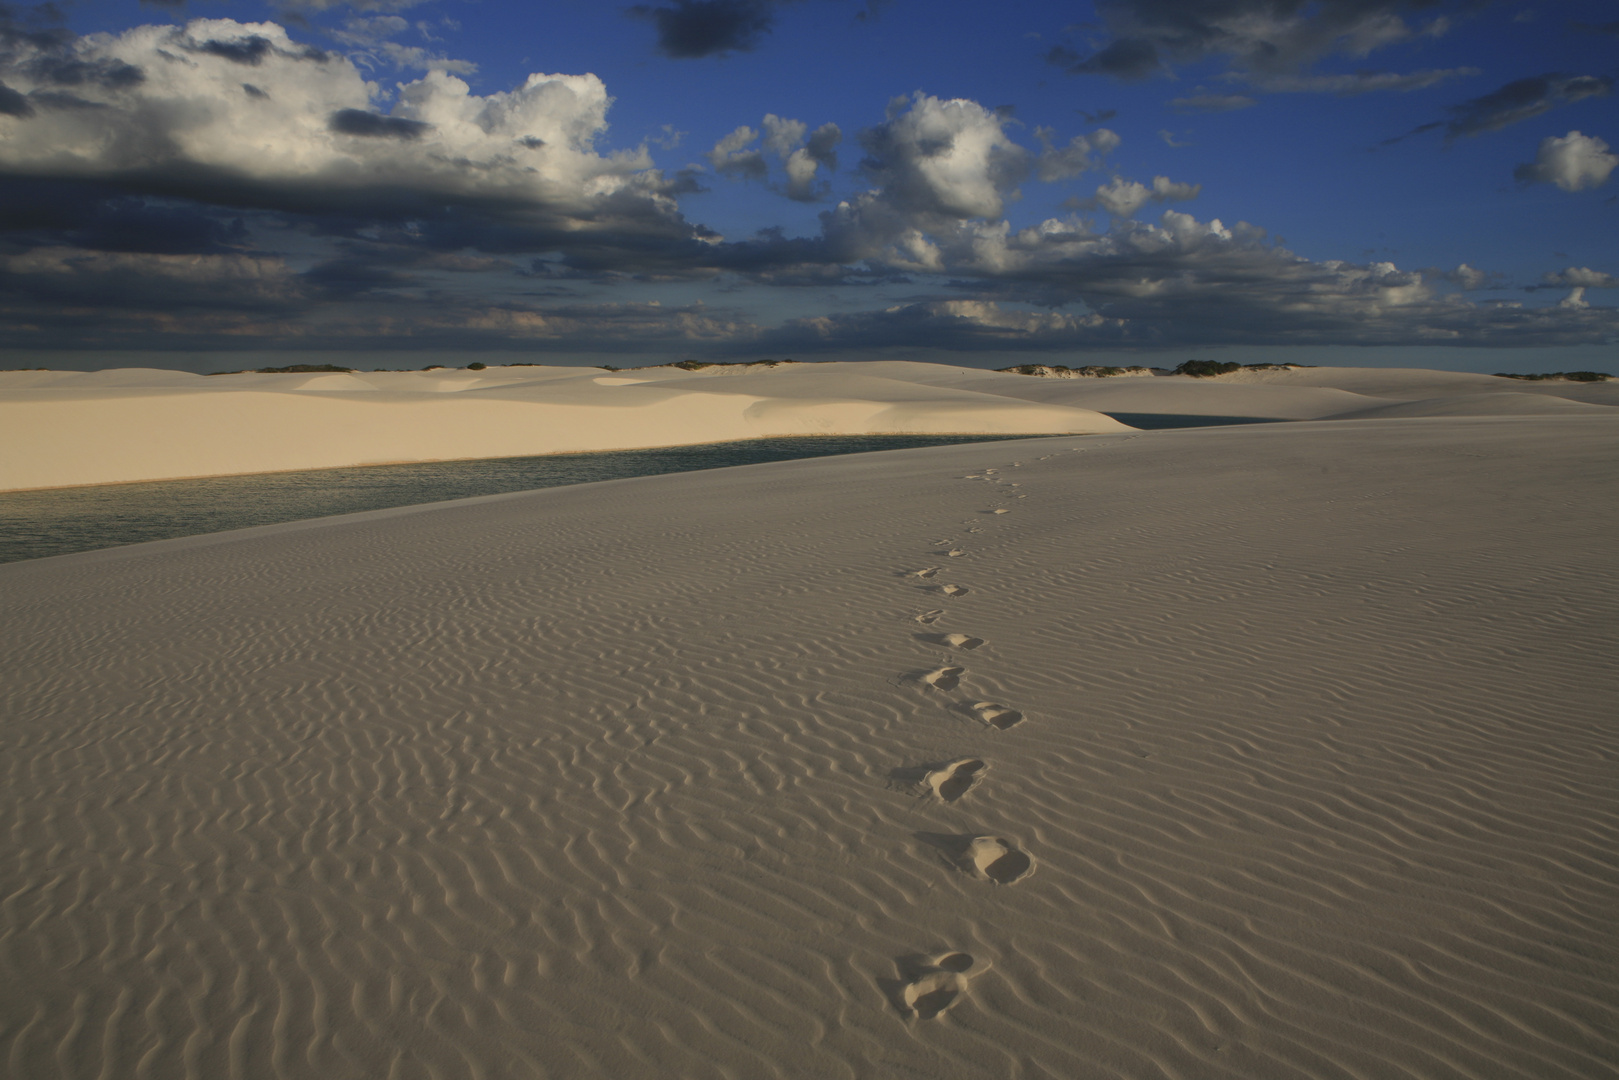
(1289, 751)
(65, 428)
(59, 429)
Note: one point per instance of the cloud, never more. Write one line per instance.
(1181, 281)
(731, 156)
(357, 5)
(1581, 277)
(697, 28)
(802, 162)
(1081, 155)
(1522, 99)
(1258, 36)
(1121, 198)
(1211, 103)
(373, 34)
(950, 324)
(786, 140)
(937, 158)
(1517, 101)
(1467, 277)
(313, 136)
(1573, 163)
(1360, 82)
(372, 126)
(1129, 59)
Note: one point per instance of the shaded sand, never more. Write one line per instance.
(1317, 773)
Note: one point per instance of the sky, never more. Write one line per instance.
(207, 184)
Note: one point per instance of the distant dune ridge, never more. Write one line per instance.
(66, 428)
(1274, 751)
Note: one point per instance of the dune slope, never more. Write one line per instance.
(1280, 751)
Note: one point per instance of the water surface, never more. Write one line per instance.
(34, 524)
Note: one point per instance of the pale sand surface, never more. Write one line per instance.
(64, 428)
(1297, 742)
(59, 429)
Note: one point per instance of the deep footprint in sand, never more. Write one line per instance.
(925, 572)
(935, 983)
(1002, 511)
(950, 782)
(953, 590)
(989, 858)
(954, 553)
(997, 716)
(945, 678)
(955, 641)
(928, 618)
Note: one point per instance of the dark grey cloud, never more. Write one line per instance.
(976, 326)
(13, 103)
(1145, 37)
(1515, 102)
(1129, 59)
(1522, 99)
(369, 125)
(248, 50)
(689, 29)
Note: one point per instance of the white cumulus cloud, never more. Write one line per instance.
(1121, 198)
(234, 112)
(1573, 163)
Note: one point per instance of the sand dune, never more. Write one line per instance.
(65, 428)
(1288, 752)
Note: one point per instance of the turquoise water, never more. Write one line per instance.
(34, 524)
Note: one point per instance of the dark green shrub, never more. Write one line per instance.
(1203, 369)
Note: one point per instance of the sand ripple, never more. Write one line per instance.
(1319, 771)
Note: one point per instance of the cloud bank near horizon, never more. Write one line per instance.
(221, 183)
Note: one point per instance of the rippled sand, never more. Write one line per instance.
(1278, 751)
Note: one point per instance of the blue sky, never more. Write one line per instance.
(1361, 181)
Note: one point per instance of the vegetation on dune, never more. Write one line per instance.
(1559, 376)
(1061, 372)
(292, 369)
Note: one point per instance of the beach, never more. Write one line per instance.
(1280, 750)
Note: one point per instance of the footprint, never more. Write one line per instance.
(933, 984)
(928, 618)
(926, 572)
(954, 641)
(996, 716)
(1002, 511)
(954, 553)
(950, 782)
(953, 590)
(989, 858)
(945, 678)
